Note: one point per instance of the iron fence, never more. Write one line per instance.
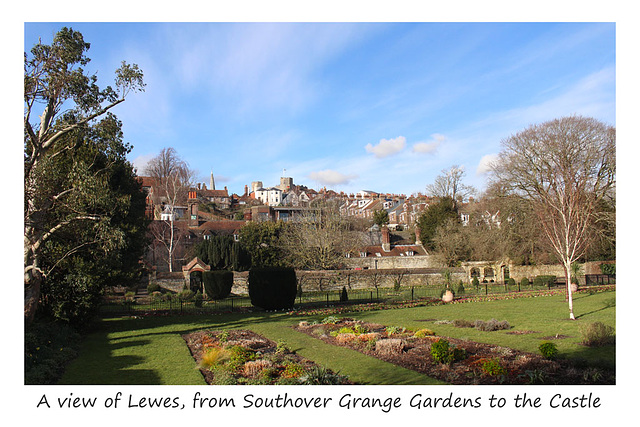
(320, 298)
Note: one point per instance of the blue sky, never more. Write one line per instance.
(349, 106)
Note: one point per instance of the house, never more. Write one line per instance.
(218, 228)
(269, 196)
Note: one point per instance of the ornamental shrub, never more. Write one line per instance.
(544, 281)
(344, 296)
(493, 368)
(491, 325)
(197, 299)
(218, 283)
(272, 288)
(549, 350)
(422, 333)
(609, 269)
(440, 351)
(597, 334)
(475, 282)
(524, 282)
(153, 287)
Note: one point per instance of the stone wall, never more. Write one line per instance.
(330, 280)
(171, 281)
(417, 261)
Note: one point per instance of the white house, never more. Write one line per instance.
(269, 196)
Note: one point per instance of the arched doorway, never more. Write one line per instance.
(195, 281)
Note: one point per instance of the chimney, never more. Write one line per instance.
(246, 190)
(386, 239)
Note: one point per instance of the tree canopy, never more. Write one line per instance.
(564, 169)
(78, 192)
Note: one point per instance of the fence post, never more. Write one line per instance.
(412, 293)
(486, 289)
(232, 305)
(327, 299)
(371, 296)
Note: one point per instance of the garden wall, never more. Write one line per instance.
(416, 261)
(171, 281)
(328, 280)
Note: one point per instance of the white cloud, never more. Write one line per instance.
(140, 162)
(387, 147)
(485, 163)
(429, 147)
(331, 177)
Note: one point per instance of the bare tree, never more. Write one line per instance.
(449, 184)
(320, 239)
(172, 180)
(564, 168)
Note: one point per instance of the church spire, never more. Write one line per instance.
(212, 184)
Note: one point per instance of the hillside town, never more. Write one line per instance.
(206, 211)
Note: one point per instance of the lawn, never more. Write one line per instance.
(150, 350)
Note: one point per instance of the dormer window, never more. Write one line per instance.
(363, 254)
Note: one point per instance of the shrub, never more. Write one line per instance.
(597, 334)
(223, 377)
(511, 282)
(330, 320)
(493, 368)
(153, 287)
(238, 356)
(544, 280)
(198, 299)
(460, 289)
(47, 349)
(441, 352)
(186, 295)
(292, 370)
(491, 325)
(319, 375)
(272, 288)
(549, 350)
(422, 333)
(217, 284)
(343, 295)
(461, 323)
(390, 330)
(524, 282)
(609, 269)
(282, 348)
(475, 282)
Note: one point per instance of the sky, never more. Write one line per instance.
(347, 106)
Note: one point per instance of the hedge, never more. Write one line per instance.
(272, 288)
(218, 283)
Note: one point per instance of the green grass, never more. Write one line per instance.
(151, 350)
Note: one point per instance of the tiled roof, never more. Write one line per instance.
(225, 226)
(399, 250)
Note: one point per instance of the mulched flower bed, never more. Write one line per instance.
(482, 364)
(244, 357)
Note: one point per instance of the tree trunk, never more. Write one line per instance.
(567, 269)
(32, 285)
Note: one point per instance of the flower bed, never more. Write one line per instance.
(448, 359)
(244, 357)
